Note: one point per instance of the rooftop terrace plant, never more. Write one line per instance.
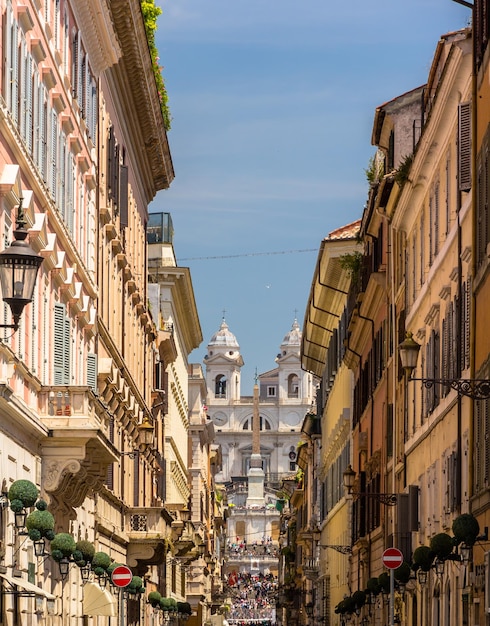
(150, 14)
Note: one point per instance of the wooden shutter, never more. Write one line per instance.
(464, 146)
(14, 80)
(92, 371)
(62, 347)
(123, 196)
(59, 343)
(53, 153)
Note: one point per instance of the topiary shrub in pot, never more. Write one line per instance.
(466, 529)
(402, 573)
(373, 586)
(39, 523)
(349, 604)
(359, 599)
(168, 604)
(84, 552)
(136, 585)
(184, 608)
(22, 491)
(62, 546)
(384, 582)
(340, 609)
(100, 563)
(422, 558)
(442, 545)
(154, 598)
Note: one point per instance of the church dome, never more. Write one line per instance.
(293, 337)
(224, 338)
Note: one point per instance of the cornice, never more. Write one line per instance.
(133, 79)
(93, 18)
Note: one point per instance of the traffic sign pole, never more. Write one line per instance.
(392, 597)
(121, 577)
(392, 559)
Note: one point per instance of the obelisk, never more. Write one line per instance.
(256, 472)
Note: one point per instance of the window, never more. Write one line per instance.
(293, 386)
(62, 345)
(271, 392)
(220, 386)
(264, 424)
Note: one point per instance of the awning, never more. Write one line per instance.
(28, 587)
(98, 601)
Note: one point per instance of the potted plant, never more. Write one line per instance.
(62, 546)
(22, 495)
(359, 599)
(83, 553)
(442, 545)
(184, 608)
(100, 563)
(422, 558)
(136, 585)
(154, 598)
(373, 586)
(466, 529)
(402, 573)
(40, 523)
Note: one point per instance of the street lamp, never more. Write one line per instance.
(349, 477)
(475, 388)
(146, 431)
(19, 265)
(64, 566)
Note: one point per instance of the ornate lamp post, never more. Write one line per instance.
(349, 477)
(476, 388)
(19, 265)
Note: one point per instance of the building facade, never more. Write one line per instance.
(83, 152)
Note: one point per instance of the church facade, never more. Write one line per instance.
(286, 394)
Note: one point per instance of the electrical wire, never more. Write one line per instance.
(245, 254)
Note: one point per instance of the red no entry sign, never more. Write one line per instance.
(392, 558)
(121, 576)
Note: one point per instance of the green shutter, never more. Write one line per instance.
(92, 371)
(59, 342)
(62, 347)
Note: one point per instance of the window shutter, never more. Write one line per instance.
(464, 146)
(59, 343)
(436, 220)
(14, 104)
(92, 371)
(123, 196)
(53, 150)
(486, 449)
(136, 481)
(93, 116)
(70, 185)
(467, 323)
(67, 353)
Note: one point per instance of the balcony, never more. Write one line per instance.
(146, 530)
(311, 569)
(77, 451)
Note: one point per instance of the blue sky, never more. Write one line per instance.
(272, 108)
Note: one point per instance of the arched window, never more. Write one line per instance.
(220, 386)
(264, 424)
(293, 386)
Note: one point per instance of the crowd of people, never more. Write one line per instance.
(253, 597)
(241, 547)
